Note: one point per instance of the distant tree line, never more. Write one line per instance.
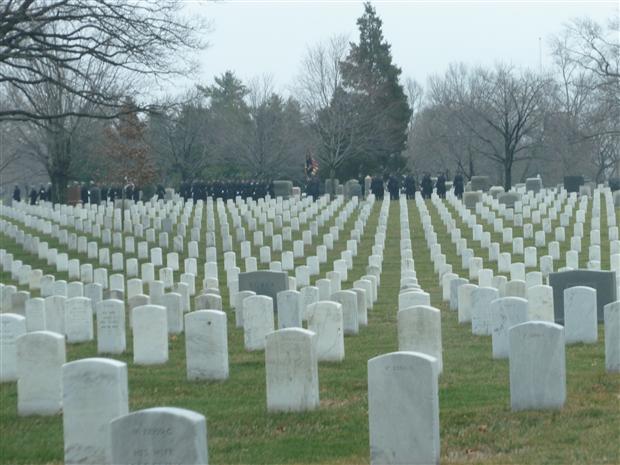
(74, 78)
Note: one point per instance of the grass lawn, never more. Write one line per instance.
(477, 425)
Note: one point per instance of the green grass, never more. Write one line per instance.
(477, 425)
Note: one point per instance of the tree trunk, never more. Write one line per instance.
(59, 187)
(507, 176)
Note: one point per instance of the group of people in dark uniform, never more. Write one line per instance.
(396, 184)
(43, 194)
(244, 188)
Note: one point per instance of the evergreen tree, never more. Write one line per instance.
(127, 153)
(382, 111)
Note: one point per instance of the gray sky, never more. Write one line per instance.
(257, 37)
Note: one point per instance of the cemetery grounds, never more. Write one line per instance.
(476, 422)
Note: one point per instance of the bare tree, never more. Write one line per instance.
(594, 47)
(145, 39)
(276, 135)
(178, 138)
(587, 58)
(319, 75)
(503, 109)
(56, 142)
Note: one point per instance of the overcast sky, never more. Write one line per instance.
(258, 37)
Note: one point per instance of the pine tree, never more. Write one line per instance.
(381, 108)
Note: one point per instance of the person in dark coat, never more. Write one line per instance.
(84, 194)
(160, 191)
(394, 187)
(458, 186)
(410, 187)
(17, 194)
(33, 196)
(427, 186)
(43, 194)
(441, 186)
(376, 187)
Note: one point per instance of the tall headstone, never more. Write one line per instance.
(540, 303)
(537, 366)
(403, 409)
(291, 367)
(580, 323)
(506, 312)
(40, 356)
(79, 320)
(419, 330)
(94, 393)
(325, 319)
(111, 337)
(12, 326)
(206, 345)
(612, 337)
(258, 321)
(289, 309)
(150, 335)
(481, 299)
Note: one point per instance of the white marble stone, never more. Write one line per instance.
(481, 299)
(348, 300)
(40, 356)
(291, 367)
(419, 330)
(290, 311)
(465, 302)
(326, 320)
(150, 334)
(506, 312)
(94, 393)
(35, 314)
(580, 319)
(537, 366)
(79, 320)
(160, 435)
(111, 336)
(612, 336)
(12, 326)
(174, 310)
(540, 303)
(403, 409)
(206, 345)
(258, 321)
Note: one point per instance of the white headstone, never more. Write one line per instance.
(540, 303)
(403, 409)
(612, 336)
(94, 393)
(111, 337)
(12, 326)
(481, 299)
(506, 312)
(161, 435)
(326, 320)
(40, 356)
(291, 366)
(580, 318)
(537, 366)
(79, 320)
(150, 335)
(419, 330)
(258, 321)
(206, 345)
